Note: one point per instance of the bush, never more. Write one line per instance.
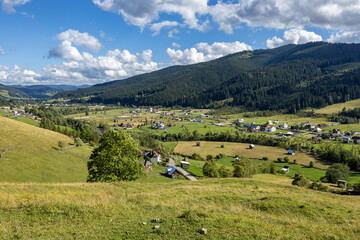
(319, 187)
(295, 161)
(61, 144)
(265, 158)
(210, 169)
(286, 159)
(209, 157)
(311, 164)
(279, 160)
(336, 172)
(78, 142)
(300, 181)
(225, 172)
(244, 168)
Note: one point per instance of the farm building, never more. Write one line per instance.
(285, 169)
(222, 145)
(171, 172)
(185, 165)
(198, 144)
(291, 152)
(154, 156)
(252, 146)
(270, 128)
(343, 182)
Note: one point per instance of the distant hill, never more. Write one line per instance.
(32, 155)
(9, 92)
(46, 91)
(290, 78)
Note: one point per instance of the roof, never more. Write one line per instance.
(170, 170)
(291, 151)
(184, 162)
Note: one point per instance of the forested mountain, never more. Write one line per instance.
(46, 91)
(289, 78)
(10, 92)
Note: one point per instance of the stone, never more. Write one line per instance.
(203, 231)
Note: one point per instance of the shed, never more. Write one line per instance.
(170, 171)
(252, 146)
(343, 182)
(198, 144)
(291, 152)
(185, 165)
(222, 145)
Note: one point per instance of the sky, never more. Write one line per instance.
(78, 42)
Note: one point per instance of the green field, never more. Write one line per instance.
(259, 208)
(336, 108)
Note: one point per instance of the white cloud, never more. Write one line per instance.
(142, 13)
(17, 75)
(66, 51)
(9, 5)
(293, 36)
(204, 52)
(172, 33)
(2, 51)
(175, 45)
(156, 27)
(80, 39)
(345, 37)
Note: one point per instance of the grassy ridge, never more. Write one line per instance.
(228, 208)
(336, 108)
(35, 156)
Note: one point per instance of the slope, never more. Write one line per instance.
(32, 155)
(10, 92)
(258, 208)
(45, 91)
(261, 76)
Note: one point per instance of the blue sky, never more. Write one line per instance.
(92, 41)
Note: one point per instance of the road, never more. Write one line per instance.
(182, 171)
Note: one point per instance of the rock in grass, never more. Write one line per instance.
(203, 231)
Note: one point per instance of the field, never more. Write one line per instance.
(259, 208)
(242, 149)
(336, 108)
(35, 156)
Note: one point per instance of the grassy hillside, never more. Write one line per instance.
(259, 208)
(336, 108)
(35, 157)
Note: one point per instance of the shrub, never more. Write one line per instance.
(244, 168)
(210, 169)
(319, 187)
(225, 172)
(295, 161)
(265, 158)
(279, 160)
(209, 157)
(336, 172)
(311, 164)
(286, 159)
(78, 142)
(300, 181)
(61, 144)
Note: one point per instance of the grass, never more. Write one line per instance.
(35, 156)
(228, 208)
(336, 108)
(84, 150)
(242, 149)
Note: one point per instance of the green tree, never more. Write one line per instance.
(244, 168)
(117, 158)
(225, 172)
(336, 172)
(210, 169)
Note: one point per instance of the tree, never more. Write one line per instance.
(336, 172)
(225, 172)
(244, 168)
(117, 158)
(210, 169)
(311, 164)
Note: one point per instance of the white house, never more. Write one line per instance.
(154, 156)
(284, 126)
(270, 128)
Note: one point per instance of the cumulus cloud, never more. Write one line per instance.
(80, 39)
(17, 75)
(343, 15)
(345, 37)
(65, 51)
(204, 52)
(156, 27)
(142, 13)
(293, 36)
(9, 5)
(175, 45)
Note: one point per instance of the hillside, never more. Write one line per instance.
(291, 77)
(260, 208)
(33, 155)
(336, 108)
(44, 91)
(10, 92)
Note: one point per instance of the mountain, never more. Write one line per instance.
(290, 78)
(46, 91)
(9, 92)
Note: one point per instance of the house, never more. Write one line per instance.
(222, 145)
(291, 152)
(337, 131)
(346, 139)
(284, 126)
(270, 128)
(154, 156)
(322, 125)
(198, 144)
(356, 139)
(185, 165)
(343, 182)
(255, 129)
(276, 122)
(269, 122)
(171, 172)
(247, 125)
(285, 169)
